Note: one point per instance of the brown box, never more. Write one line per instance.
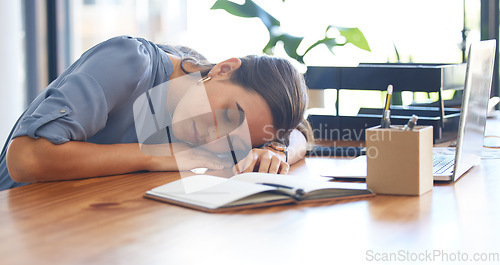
(399, 162)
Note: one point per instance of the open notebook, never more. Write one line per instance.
(250, 190)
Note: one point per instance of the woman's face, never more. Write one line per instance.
(217, 107)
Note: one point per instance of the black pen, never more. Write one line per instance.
(233, 154)
(297, 193)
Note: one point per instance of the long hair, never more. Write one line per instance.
(281, 85)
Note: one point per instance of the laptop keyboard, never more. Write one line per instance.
(442, 164)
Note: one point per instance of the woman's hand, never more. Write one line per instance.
(263, 160)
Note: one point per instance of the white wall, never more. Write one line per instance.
(12, 85)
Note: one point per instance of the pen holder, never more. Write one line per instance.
(399, 162)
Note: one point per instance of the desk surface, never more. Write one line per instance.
(107, 221)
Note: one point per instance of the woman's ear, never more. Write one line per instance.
(224, 69)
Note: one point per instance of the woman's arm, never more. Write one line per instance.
(34, 160)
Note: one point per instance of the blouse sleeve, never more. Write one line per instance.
(76, 105)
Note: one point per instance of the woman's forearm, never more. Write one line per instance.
(33, 160)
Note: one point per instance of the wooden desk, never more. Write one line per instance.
(107, 221)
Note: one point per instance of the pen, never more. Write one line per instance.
(386, 120)
(233, 155)
(411, 123)
(297, 193)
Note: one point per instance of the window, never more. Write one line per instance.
(423, 31)
(12, 73)
(93, 21)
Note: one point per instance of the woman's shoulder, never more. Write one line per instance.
(123, 51)
(125, 40)
(123, 47)
(121, 59)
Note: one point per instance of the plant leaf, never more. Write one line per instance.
(291, 43)
(268, 49)
(328, 42)
(248, 9)
(354, 36)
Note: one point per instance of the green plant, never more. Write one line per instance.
(291, 43)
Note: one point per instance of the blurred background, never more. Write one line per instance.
(41, 38)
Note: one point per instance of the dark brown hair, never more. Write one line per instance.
(281, 85)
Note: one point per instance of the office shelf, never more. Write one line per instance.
(404, 77)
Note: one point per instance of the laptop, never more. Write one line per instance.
(449, 166)
(472, 122)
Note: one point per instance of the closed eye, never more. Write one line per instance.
(242, 113)
(229, 118)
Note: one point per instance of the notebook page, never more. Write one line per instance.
(209, 192)
(302, 182)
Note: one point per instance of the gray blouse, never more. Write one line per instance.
(93, 99)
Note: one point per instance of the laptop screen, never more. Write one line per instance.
(474, 105)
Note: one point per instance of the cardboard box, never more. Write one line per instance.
(399, 162)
